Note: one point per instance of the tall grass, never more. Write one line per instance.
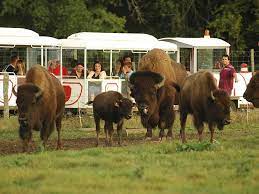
(229, 166)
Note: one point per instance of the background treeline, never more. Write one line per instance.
(236, 21)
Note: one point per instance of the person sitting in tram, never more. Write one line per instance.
(78, 71)
(20, 67)
(126, 66)
(126, 70)
(97, 72)
(12, 67)
(54, 67)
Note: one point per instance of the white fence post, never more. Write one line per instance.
(5, 91)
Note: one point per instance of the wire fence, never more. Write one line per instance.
(239, 57)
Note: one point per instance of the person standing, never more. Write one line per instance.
(227, 75)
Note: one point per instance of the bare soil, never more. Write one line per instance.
(15, 146)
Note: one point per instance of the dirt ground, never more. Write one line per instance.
(15, 146)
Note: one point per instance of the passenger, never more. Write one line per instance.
(78, 71)
(20, 67)
(12, 67)
(125, 60)
(127, 70)
(54, 67)
(117, 69)
(98, 72)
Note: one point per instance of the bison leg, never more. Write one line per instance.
(211, 127)
(119, 131)
(199, 126)
(161, 134)
(45, 132)
(170, 123)
(183, 117)
(149, 133)
(58, 127)
(97, 127)
(108, 127)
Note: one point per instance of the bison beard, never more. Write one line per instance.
(40, 102)
(155, 101)
(201, 98)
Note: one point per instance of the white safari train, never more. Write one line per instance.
(108, 48)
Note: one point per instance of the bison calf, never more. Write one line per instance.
(41, 103)
(201, 98)
(111, 107)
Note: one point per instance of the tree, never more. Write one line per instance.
(59, 18)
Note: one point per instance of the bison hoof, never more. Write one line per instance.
(161, 134)
(148, 135)
(58, 147)
(148, 138)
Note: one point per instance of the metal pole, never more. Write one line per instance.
(5, 91)
(252, 60)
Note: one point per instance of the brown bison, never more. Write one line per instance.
(252, 91)
(112, 107)
(200, 97)
(153, 87)
(41, 102)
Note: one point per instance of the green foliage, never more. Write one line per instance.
(234, 21)
(228, 25)
(60, 18)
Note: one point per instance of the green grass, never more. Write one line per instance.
(231, 165)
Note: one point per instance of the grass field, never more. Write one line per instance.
(230, 165)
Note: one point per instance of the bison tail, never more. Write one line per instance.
(176, 86)
(89, 102)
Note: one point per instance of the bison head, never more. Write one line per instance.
(124, 106)
(144, 88)
(28, 96)
(252, 91)
(219, 108)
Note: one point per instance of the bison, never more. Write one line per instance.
(40, 102)
(200, 97)
(111, 107)
(153, 87)
(252, 91)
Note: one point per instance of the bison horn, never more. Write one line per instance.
(212, 96)
(131, 86)
(14, 92)
(160, 84)
(38, 94)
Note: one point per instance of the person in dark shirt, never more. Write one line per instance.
(97, 72)
(12, 67)
(78, 71)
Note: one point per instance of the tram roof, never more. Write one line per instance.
(11, 37)
(116, 41)
(200, 43)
